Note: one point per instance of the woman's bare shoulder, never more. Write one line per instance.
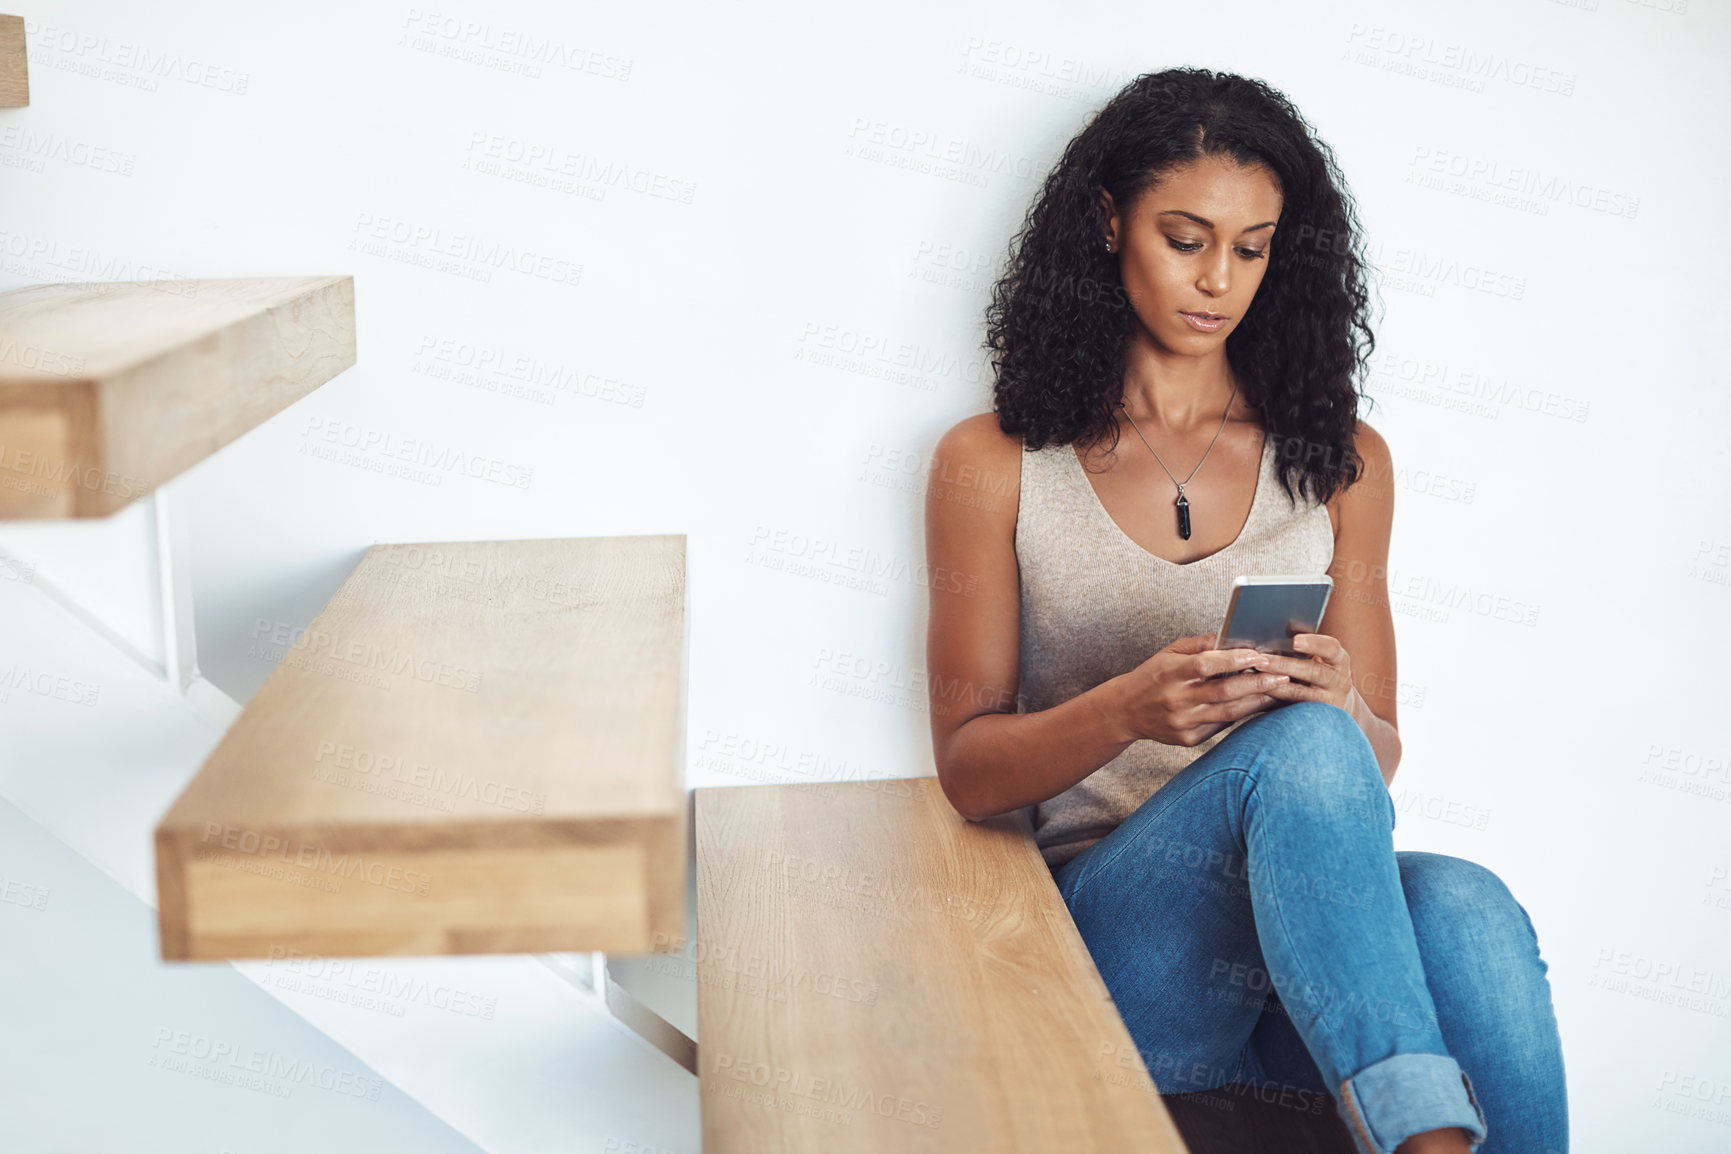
(1370, 498)
(978, 464)
(983, 436)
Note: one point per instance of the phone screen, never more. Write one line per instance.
(1265, 616)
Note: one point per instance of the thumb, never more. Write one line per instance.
(1198, 643)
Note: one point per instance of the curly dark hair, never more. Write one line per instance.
(1059, 315)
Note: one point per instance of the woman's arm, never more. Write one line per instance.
(990, 759)
(1358, 612)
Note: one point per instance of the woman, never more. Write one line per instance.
(1188, 281)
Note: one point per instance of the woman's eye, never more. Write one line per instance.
(1193, 246)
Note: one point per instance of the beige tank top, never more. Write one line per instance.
(1096, 604)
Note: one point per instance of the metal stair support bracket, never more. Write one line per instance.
(596, 981)
(176, 623)
(173, 621)
(176, 636)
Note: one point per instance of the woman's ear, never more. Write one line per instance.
(1109, 210)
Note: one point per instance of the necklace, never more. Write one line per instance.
(1183, 502)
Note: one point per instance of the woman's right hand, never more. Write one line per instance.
(1170, 698)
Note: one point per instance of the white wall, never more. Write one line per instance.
(1551, 387)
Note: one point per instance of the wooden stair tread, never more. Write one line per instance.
(111, 389)
(476, 747)
(875, 973)
(14, 64)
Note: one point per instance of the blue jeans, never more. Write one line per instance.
(1255, 924)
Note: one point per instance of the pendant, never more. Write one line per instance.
(1183, 504)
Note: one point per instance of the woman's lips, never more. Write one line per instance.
(1202, 322)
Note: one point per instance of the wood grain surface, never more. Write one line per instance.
(14, 64)
(110, 389)
(877, 974)
(476, 747)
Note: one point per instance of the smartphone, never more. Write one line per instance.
(1264, 612)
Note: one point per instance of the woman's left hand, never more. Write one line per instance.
(1324, 673)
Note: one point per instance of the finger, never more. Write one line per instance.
(1318, 644)
(1298, 691)
(1222, 665)
(1280, 663)
(1196, 643)
(1233, 688)
(1214, 662)
(1308, 668)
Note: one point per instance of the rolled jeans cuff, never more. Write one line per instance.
(1389, 1101)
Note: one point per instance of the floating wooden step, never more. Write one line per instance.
(476, 747)
(108, 390)
(877, 974)
(14, 64)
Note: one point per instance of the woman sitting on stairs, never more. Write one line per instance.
(1188, 281)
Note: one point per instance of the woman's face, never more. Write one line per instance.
(1196, 243)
